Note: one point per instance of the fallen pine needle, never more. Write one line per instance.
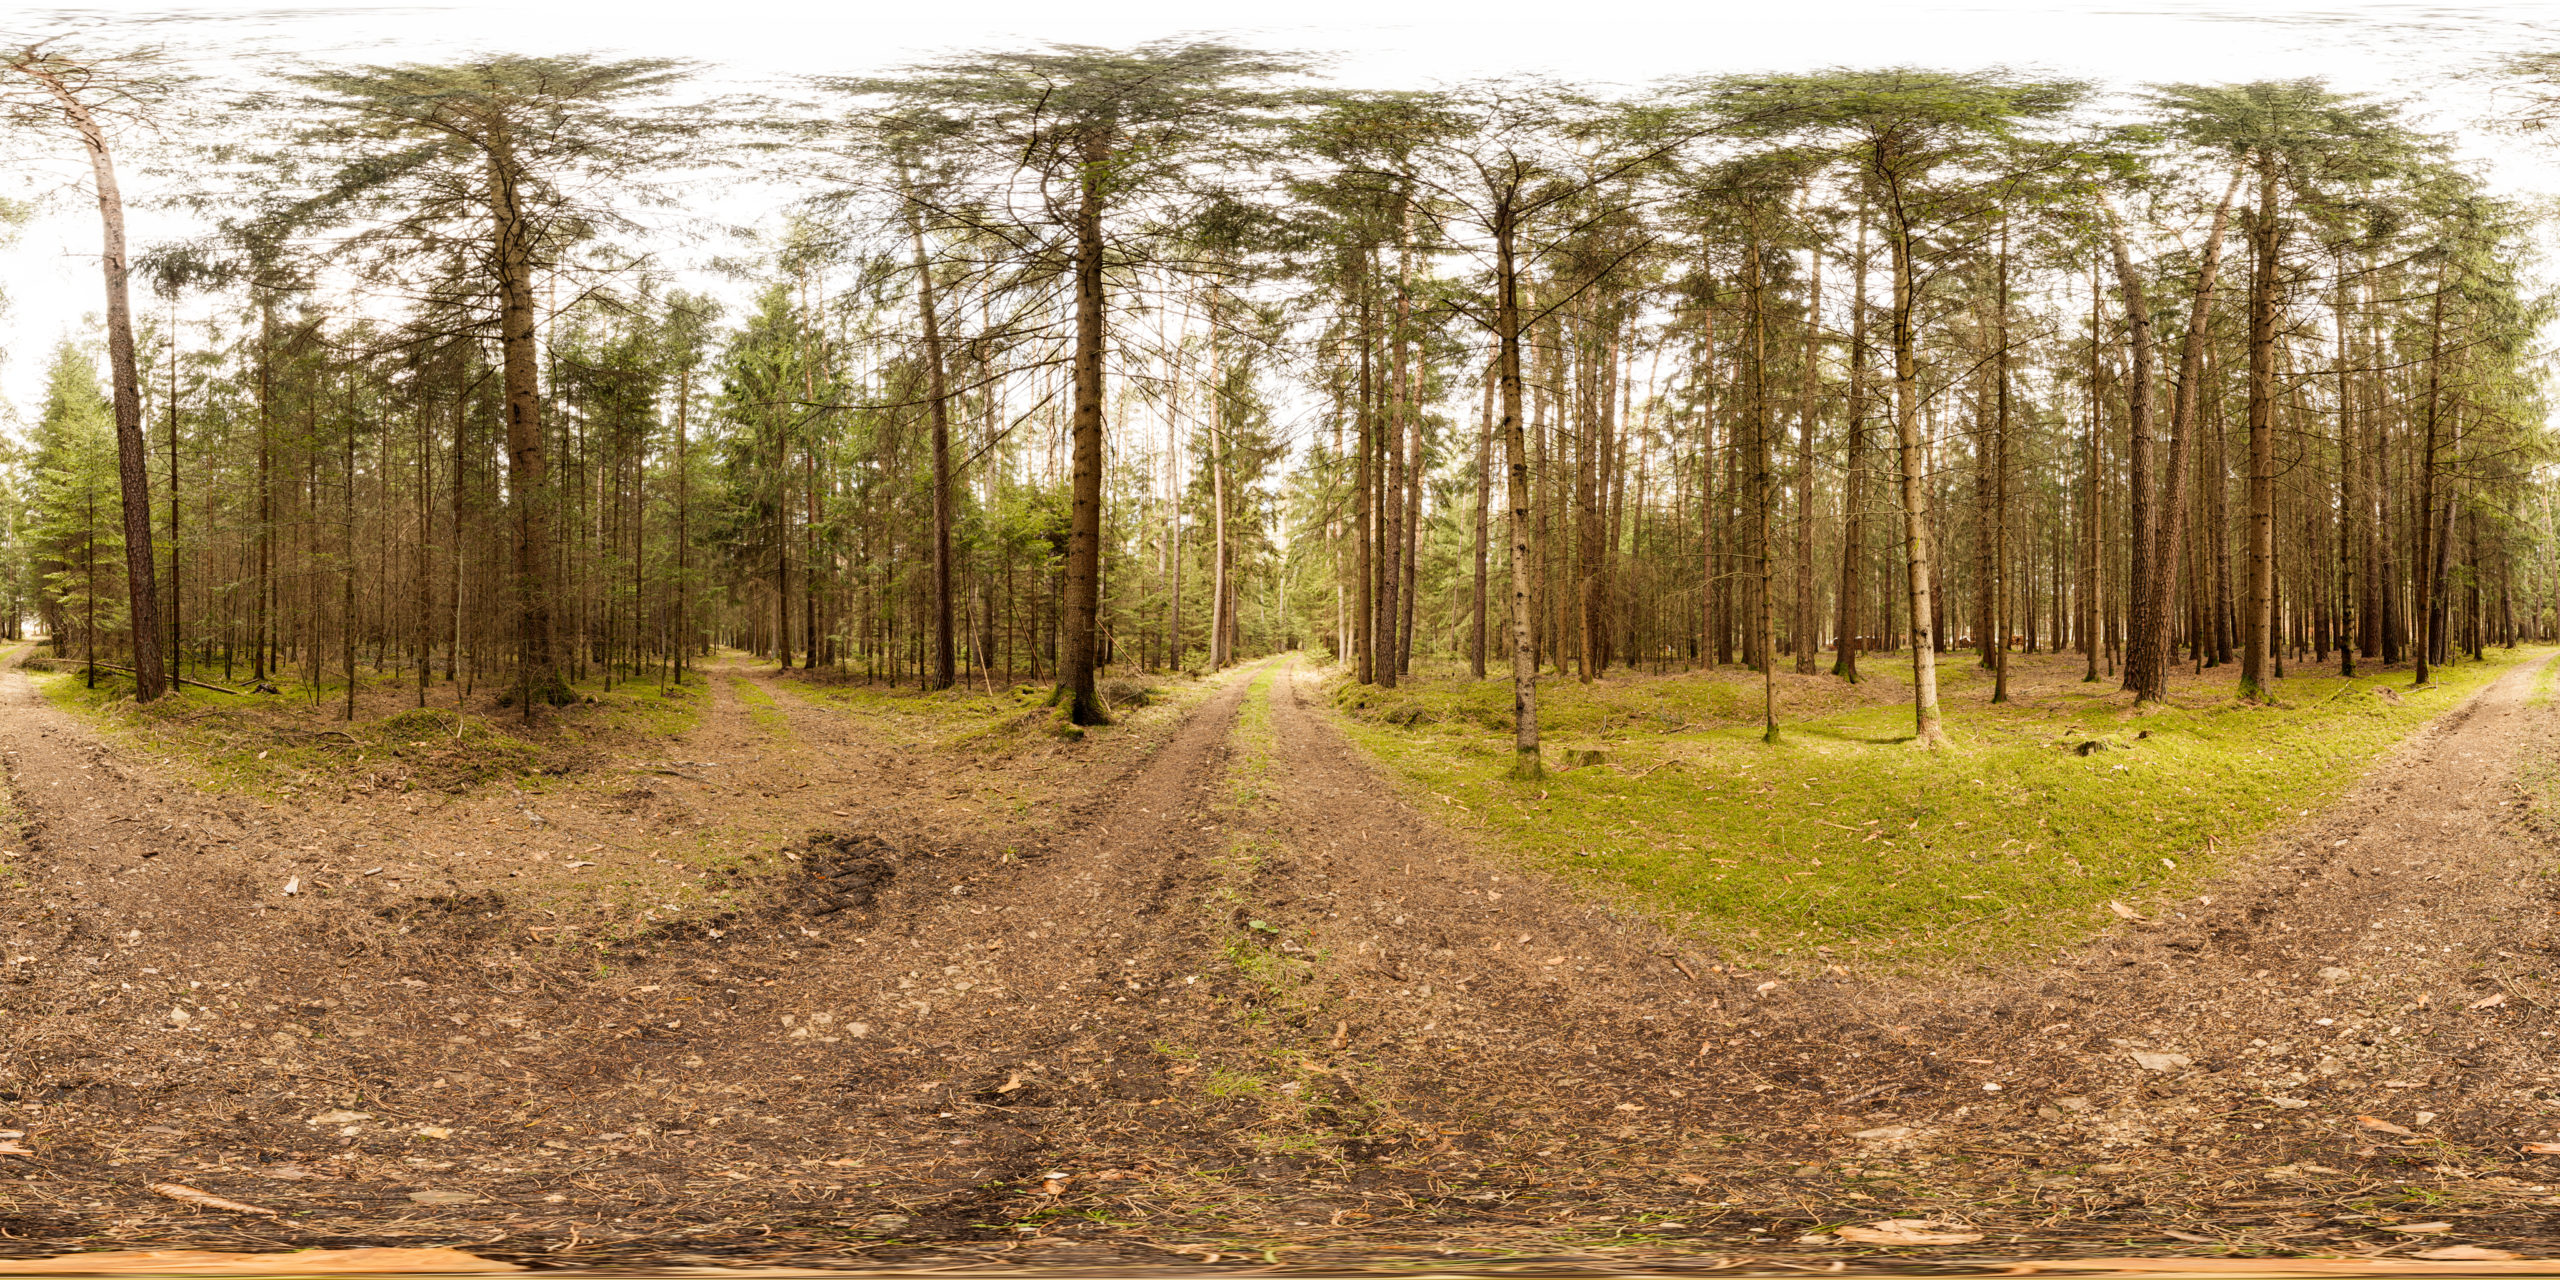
(208, 1200)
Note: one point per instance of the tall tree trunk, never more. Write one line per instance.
(2384, 546)
(938, 416)
(2347, 618)
(1221, 599)
(2258, 634)
(1411, 589)
(538, 672)
(1390, 493)
(2000, 475)
(133, 478)
(1173, 541)
(2092, 577)
(426, 587)
(1619, 385)
(1853, 494)
(2213, 496)
(1918, 553)
(1986, 539)
(177, 593)
(1808, 416)
(1484, 486)
(684, 533)
(266, 492)
(347, 573)
(1607, 380)
(2141, 514)
(1083, 595)
(2424, 611)
(1506, 324)
(1585, 436)
(1409, 456)
(1763, 489)
(1544, 636)
(1364, 487)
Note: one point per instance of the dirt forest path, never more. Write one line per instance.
(1238, 989)
(2367, 1006)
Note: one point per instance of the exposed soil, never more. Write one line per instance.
(1200, 990)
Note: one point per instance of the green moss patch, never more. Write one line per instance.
(284, 744)
(1844, 840)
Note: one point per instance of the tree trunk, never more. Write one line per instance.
(2345, 620)
(538, 676)
(2092, 595)
(1506, 324)
(2140, 511)
(266, 492)
(1083, 595)
(2425, 613)
(1853, 496)
(1409, 593)
(684, 629)
(1918, 554)
(1390, 496)
(1763, 490)
(938, 415)
(1221, 600)
(1808, 415)
(347, 574)
(1412, 372)
(426, 587)
(1364, 486)
(1585, 505)
(177, 594)
(150, 675)
(1484, 485)
(2257, 630)
(2000, 476)
(1173, 544)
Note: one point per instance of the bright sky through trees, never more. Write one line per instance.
(2410, 51)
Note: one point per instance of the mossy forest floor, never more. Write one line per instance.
(1274, 971)
(1841, 839)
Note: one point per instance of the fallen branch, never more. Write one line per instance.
(208, 1200)
(237, 693)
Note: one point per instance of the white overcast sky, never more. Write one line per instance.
(2411, 51)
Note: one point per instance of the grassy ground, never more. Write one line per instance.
(1843, 841)
(276, 745)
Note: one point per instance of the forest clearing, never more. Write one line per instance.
(1133, 657)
